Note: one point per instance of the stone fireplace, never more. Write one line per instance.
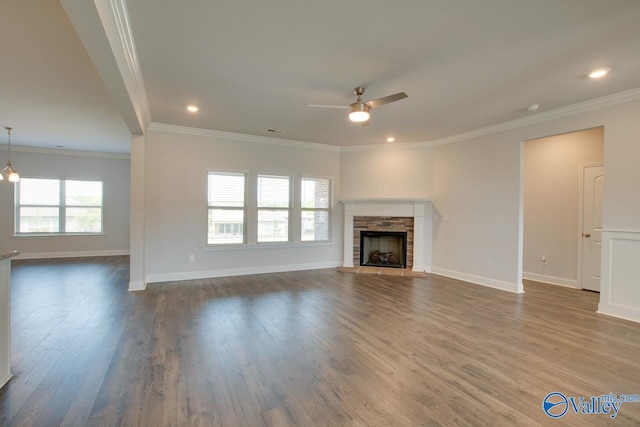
(409, 217)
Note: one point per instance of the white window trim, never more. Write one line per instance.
(40, 235)
(287, 209)
(62, 211)
(251, 213)
(246, 175)
(328, 209)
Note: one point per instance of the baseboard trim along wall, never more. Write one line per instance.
(552, 280)
(244, 271)
(71, 254)
(619, 296)
(479, 280)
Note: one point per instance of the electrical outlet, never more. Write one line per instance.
(192, 258)
(543, 259)
(488, 263)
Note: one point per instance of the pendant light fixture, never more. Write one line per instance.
(8, 171)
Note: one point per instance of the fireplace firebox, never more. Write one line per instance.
(383, 249)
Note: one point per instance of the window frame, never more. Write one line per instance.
(288, 209)
(61, 207)
(245, 176)
(328, 209)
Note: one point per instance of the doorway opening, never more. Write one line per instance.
(558, 232)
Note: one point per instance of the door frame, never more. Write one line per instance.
(581, 169)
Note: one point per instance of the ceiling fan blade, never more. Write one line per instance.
(386, 100)
(342, 107)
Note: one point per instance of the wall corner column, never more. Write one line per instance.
(137, 270)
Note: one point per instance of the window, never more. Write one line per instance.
(58, 206)
(227, 208)
(251, 208)
(315, 215)
(273, 208)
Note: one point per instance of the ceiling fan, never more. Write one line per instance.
(359, 110)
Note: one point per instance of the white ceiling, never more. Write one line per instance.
(256, 65)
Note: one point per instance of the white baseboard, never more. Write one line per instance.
(479, 280)
(5, 380)
(71, 254)
(244, 271)
(552, 280)
(137, 285)
(621, 312)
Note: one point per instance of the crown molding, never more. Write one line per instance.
(63, 152)
(387, 146)
(115, 19)
(163, 127)
(569, 110)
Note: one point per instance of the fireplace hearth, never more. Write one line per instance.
(383, 249)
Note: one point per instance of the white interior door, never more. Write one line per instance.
(593, 178)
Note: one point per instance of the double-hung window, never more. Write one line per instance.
(227, 208)
(274, 206)
(315, 209)
(53, 206)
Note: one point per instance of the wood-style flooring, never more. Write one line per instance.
(313, 348)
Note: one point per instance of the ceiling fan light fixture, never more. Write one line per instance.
(359, 112)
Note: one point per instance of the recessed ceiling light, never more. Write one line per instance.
(600, 72)
(533, 108)
(192, 108)
(391, 139)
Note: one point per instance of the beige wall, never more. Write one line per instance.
(175, 221)
(114, 172)
(477, 183)
(476, 192)
(551, 197)
(391, 171)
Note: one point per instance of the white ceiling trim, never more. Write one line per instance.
(64, 152)
(162, 127)
(387, 146)
(569, 110)
(115, 20)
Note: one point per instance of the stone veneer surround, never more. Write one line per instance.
(420, 211)
(382, 223)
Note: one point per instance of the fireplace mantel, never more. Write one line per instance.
(420, 210)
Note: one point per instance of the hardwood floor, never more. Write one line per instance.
(308, 348)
